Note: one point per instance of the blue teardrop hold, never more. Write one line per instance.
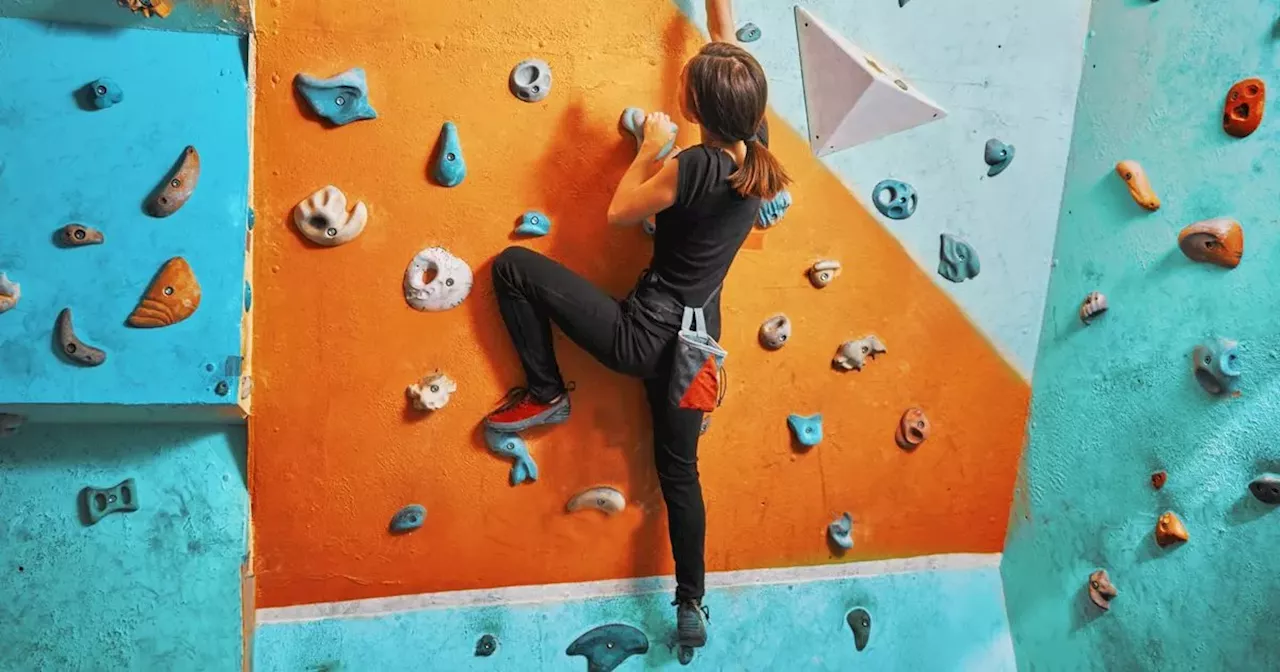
(773, 210)
(340, 99)
(749, 32)
(534, 223)
(104, 93)
(449, 168)
(409, 518)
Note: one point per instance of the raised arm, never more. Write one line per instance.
(720, 21)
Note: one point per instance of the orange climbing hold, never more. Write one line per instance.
(173, 296)
(1139, 187)
(1213, 241)
(1170, 530)
(1242, 111)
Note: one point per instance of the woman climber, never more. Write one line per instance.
(706, 199)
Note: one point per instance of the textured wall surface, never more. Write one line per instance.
(1006, 69)
(337, 450)
(62, 163)
(927, 620)
(155, 589)
(209, 16)
(1116, 401)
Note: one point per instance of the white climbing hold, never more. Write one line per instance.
(10, 293)
(324, 220)
(432, 392)
(451, 284)
(851, 97)
(604, 498)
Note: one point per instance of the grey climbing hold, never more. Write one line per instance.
(998, 156)
(823, 272)
(1266, 488)
(340, 99)
(632, 121)
(706, 425)
(650, 226)
(101, 502)
(79, 235)
(1217, 365)
(534, 223)
(408, 519)
(854, 354)
(957, 261)
(775, 331)
(859, 621)
(841, 531)
(486, 646)
(71, 346)
(608, 646)
(895, 199)
(749, 32)
(450, 168)
(806, 428)
(531, 80)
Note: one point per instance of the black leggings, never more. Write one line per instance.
(636, 337)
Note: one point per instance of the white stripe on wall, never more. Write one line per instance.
(562, 592)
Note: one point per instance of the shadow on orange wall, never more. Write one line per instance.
(335, 451)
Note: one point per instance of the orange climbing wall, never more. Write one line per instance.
(335, 448)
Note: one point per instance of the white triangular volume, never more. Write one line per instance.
(850, 96)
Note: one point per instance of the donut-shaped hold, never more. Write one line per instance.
(436, 280)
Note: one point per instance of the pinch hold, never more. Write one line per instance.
(340, 99)
(1135, 178)
(774, 332)
(853, 355)
(823, 272)
(78, 235)
(1214, 241)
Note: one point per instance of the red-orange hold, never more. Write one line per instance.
(1158, 479)
(1242, 111)
(1170, 530)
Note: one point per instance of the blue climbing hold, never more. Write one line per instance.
(633, 121)
(957, 261)
(772, 211)
(534, 223)
(608, 646)
(1217, 365)
(650, 226)
(341, 99)
(409, 518)
(807, 428)
(749, 32)
(841, 531)
(250, 219)
(998, 156)
(895, 199)
(523, 468)
(248, 296)
(103, 93)
(450, 168)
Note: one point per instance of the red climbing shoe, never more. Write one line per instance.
(521, 411)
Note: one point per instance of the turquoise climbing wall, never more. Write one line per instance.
(156, 589)
(1006, 69)
(60, 163)
(925, 620)
(1115, 401)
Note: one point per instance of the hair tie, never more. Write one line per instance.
(753, 138)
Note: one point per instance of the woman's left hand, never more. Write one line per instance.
(658, 131)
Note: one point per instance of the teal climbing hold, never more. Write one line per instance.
(101, 502)
(248, 296)
(534, 223)
(957, 260)
(895, 199)
(608, 646)
(449, 169)
(523, 468)
(806, 428)
(408, 519)
(997, 156)
(841, 531)
(103, 93)
(340, 99)
(749, 32)
(772, 210)
(633, 121)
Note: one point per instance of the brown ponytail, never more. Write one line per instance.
(726, 92)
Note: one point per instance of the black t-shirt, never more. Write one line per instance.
(698, 237)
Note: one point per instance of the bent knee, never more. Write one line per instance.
(509, 260)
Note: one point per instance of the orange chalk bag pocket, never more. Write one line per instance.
(697, 374)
